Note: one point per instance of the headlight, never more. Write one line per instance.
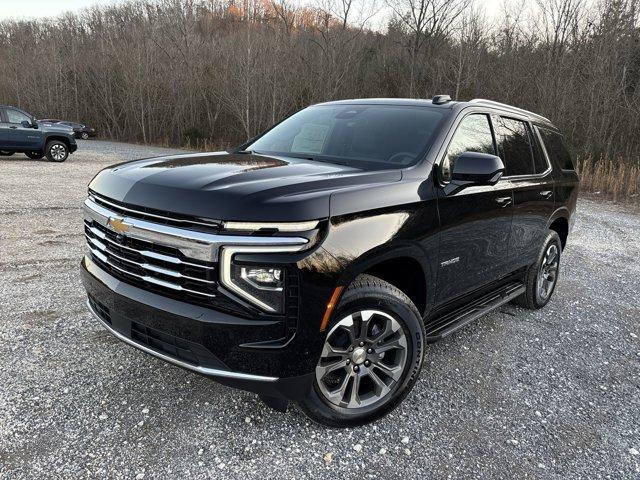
(262, 285)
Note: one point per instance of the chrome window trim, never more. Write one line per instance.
(213, 372)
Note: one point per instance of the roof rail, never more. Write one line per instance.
(504, 106)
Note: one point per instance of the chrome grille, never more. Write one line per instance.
(141, 261)
(183, 263)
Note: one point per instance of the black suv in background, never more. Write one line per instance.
(21, 132)
(315, 262)
(79, 130)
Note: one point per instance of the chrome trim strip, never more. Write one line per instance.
(146, 253)
(100, 198)
(199, 245)
(100, 256)
(226, 256)
(146, 266)
(214, 372)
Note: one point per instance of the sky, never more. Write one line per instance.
(50, 8)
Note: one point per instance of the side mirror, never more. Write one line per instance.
(29, 124)
(473, 168)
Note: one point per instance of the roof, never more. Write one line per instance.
(413, 102)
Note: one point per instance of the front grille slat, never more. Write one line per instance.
(104, 249)
(146, 253)
(162, 283)
(140, 263)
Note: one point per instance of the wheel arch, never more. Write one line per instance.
(59, 138)
(406, 267)
(559, 222)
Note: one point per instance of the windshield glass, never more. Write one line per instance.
(380, 136)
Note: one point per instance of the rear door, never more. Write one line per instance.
(19, 136)
(475, 221)
(529, 171)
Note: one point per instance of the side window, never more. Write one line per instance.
(473, 135)
(539, 160)
(14, 116)
(556, 149)
(515, 146)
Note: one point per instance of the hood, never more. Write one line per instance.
(223, 186)
(54, 127)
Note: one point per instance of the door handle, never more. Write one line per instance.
(546, 193)
(504, 201)
(13, 127)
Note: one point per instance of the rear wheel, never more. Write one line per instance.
(541, 277)
(56, 151)
(371, 357)
(34, 155)
(6, 153)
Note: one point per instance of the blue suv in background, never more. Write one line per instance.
(21, 132)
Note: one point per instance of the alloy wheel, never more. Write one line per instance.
(363, 360)
(548, 271)
(58, 152)
(84, 136)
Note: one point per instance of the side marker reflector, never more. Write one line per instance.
(333, 302)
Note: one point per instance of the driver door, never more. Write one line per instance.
(19, 136)
(475, 221)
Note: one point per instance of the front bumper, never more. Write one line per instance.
(73, 147)
(199, 339)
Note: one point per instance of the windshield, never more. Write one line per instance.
(375, 135)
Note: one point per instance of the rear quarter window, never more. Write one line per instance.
(557, 149)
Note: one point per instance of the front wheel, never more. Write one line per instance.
(56, 151)
(84, 136)
(34, 155)
(371, 357)
(541, 277)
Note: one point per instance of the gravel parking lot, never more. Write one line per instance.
(519, 394)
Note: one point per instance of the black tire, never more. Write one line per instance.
(56, 151)
(84, 136)
(6, 153)
(533, 297)
(34, 155)
(368, 293)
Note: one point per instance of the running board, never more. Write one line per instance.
(451, 322)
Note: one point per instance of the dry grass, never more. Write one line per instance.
(613, 178)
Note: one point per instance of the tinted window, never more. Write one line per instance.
(556, 149)
(14, 116)
(539, 160)
(472, 135)
(379, 136)
(515, 146)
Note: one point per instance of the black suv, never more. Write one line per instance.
(21, 132)
(315, 262)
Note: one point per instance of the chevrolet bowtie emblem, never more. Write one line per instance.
(118, 225)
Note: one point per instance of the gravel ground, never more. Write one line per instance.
(519, 394)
